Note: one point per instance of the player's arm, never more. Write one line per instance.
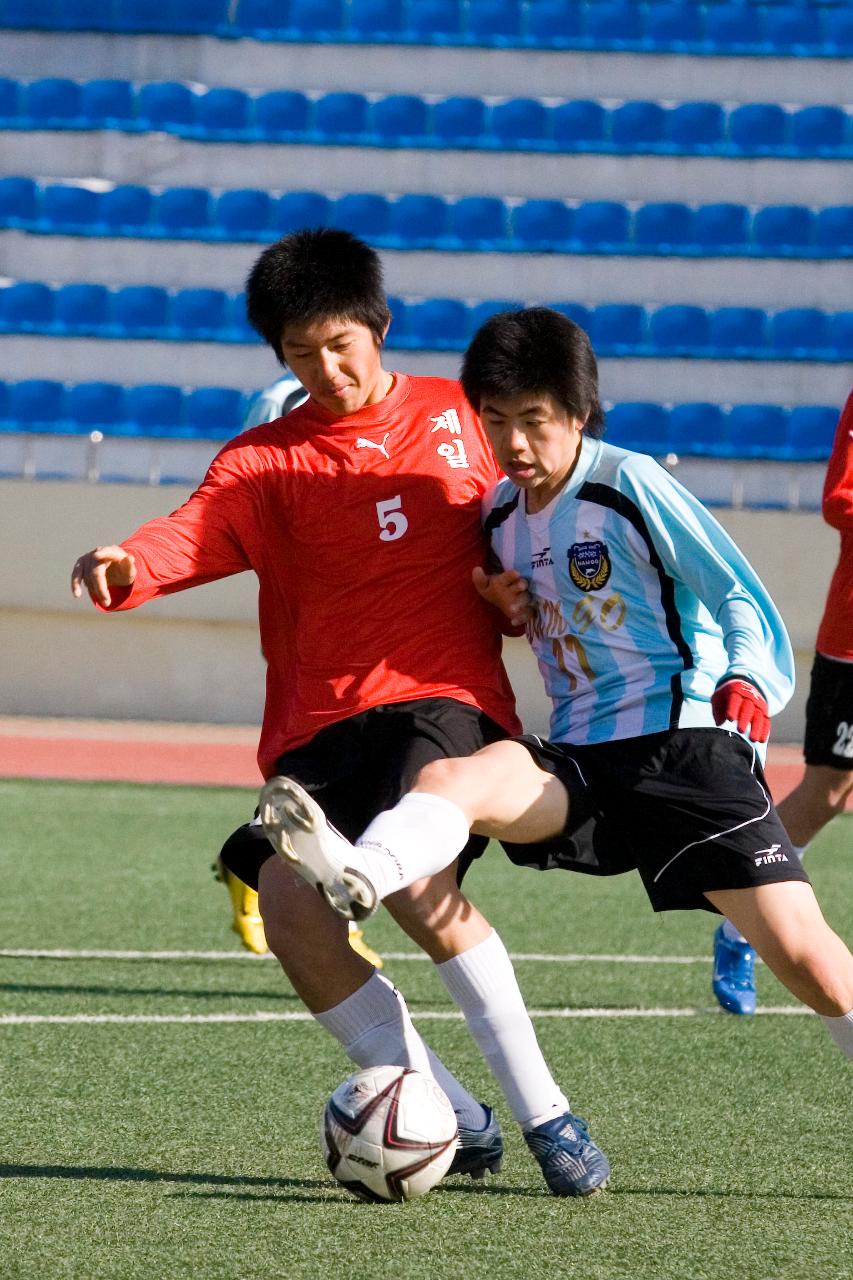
(838, 485)
(100, 569)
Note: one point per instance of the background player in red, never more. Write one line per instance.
(360, 514)
(828, 749)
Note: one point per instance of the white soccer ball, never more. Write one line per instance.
(389, 1133)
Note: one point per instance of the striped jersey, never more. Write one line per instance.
(642, 600)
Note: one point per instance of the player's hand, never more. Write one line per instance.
(739, 701)
(101, 569)
(508, 592)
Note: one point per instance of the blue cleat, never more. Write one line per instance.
(570, 1161)
(480, 1151)
(734, 974)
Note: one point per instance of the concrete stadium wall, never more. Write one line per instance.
(195, 657)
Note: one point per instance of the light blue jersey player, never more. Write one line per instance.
(665, 659)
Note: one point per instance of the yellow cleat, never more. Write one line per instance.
(360, 947)
(247, 922)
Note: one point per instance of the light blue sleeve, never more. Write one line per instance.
(696, 551)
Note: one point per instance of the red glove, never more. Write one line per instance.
(741, 702)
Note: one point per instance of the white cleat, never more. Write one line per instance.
(301, 835)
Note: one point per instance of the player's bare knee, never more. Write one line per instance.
(446, 777)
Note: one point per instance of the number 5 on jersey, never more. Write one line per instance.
(392, 523)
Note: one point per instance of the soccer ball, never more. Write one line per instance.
(389, 1133)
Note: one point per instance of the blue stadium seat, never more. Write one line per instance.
(36, 402)
(223, 111)
(198, 313)
(154, 409)
(438, 324)
(483, 311)
(580, 120)
(639, 425)
(140, 310)
(695, 124)
(783, 226)
(636, 124)
(317, 17)
(108, 102)
(82, 15)
(459, 119)
(719, 226)
(213, 413)
(183, 210)
(399, 329)
(341, 115)
(673, 24)
(127, 207)
(400, 115)
(68, 206)
(838, 30)
(282, 111)
(617, 326)
(140, 15)
(834, 228)
(758, 126)
(256, 16)
(799, 331)
(82, 308)
(680, 328)
(169, 103)
(52, 101)
(819, 128)
(614, 24)
(553, 22)
(243, 214)
(435, 19)
(791, 25)
(10, 98)
(297, 209)
(489, 20)
(95, 405)
(663, 224)
(18, 200)
(478, 220)
(576, 312)
(542, 224)
(363, 215)
(730, 28)
(519, 120)
(601, 222)
(738, 330)
(841, 335)
(699, 429)
(26, 307)
(418, 221)
(811, 431)
(237, 322)
(757, 430)
(371, 18)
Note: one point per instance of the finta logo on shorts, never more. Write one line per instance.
(765, 856)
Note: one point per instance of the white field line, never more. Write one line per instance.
(23, 953)
(424, 1015)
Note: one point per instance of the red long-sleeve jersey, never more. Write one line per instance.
(363, 532)
(835, 636)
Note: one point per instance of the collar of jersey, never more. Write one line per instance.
(371, 416)
(589, 452)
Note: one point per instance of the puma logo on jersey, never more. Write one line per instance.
(361, 443)
(765, 856)
(447, 421)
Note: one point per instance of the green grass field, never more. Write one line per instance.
(189, 1147)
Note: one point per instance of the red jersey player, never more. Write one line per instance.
(360, 515)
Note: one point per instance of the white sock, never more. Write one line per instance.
(841, 1030)
(482, 982)
(374, 1027)
(421, 835)
(733, 934)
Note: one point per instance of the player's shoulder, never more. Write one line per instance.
(438, 395)
(499, 502)
(625, 469)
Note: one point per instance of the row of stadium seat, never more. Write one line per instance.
(215, 413)
(431, 222)
(435, 324)
(705, 128)
(681, 26)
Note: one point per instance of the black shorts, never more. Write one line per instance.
(829, 714)
(356, 768)
(688, 808)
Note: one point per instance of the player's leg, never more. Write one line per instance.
(821, 795)
(786, 926)
(827, 750)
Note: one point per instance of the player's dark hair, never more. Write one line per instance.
(536, 350)
(314, 275)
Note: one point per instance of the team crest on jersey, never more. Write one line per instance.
(589, 565)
